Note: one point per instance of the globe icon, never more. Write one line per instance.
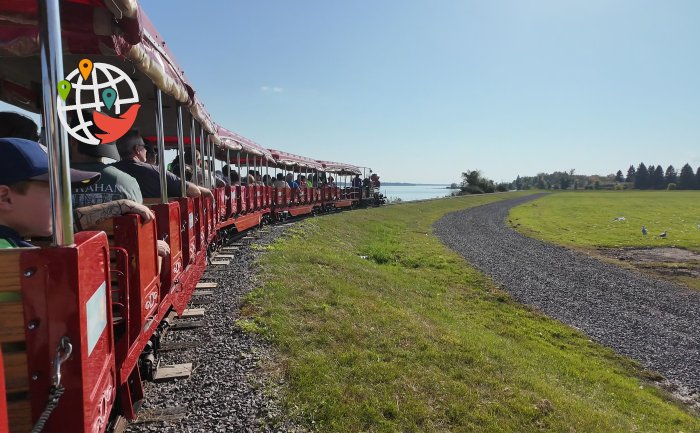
(86, 96)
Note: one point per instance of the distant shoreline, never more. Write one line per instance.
(413, 184)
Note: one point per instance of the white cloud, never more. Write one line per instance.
(270, 89)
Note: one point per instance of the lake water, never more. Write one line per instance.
(417, 192)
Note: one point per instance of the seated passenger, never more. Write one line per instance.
(330, 181)
(357, 182)
(234, 175)
(25, 199)
(280, 183)
(114, 184)
(291, 182)
(133, 153)
(267, 180)
(85, 217)
(151, 153)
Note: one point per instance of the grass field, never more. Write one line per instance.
(380, 328)
(587, 220)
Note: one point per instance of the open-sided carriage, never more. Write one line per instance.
(81, 316)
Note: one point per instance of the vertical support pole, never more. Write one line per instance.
(228, 163)
(193, 149)
(247, 168)
(56, 138)
(238, 167)
(181, 150)
(161, 145)
(202, 155)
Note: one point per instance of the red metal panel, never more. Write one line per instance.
(168, 225)
(139, 240)
(189, 243)
(242, 199)
(232, 200)
(66, 293)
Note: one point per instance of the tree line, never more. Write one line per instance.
(641, 177)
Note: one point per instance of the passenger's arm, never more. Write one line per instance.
(193, 190)
(205, 192)
(89, 216)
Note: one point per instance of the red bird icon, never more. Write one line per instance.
(115, 128)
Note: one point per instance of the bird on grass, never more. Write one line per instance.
(644, 230)
(663, 235)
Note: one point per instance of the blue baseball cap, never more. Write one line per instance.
(22, 159)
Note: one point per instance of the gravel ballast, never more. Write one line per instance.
(652, 321)
(230, 389)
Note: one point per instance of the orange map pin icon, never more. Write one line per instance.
(85, 67)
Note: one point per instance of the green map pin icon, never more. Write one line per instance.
(109, 95)
(64, 89)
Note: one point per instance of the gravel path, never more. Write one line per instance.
(229, 389)
(655, 322)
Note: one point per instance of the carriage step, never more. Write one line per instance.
(170, 414)
(170, 372)
(202, 292)
(192, 312)
(229, 249)
(198, 302)
(220, 262)
(186, 324)
(170, 347)
(224, 256)
(206, 285)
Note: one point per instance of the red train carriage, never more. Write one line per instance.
(80, 319)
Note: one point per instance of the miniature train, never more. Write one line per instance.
(81, 318)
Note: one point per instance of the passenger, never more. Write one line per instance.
(151, 153)
(302, 181)
(25, 198)
(291, 182)
(375, 180)
(234, 175)
(85, 217)
(357, 182)
(258, 178)
(133, 152)
(221, 180)
(17, 125)
(330, 181)
(280, 183)
(267, 180)
(113, 185)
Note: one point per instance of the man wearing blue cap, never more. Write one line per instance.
(25, 199)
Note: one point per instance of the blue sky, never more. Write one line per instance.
(422, 90)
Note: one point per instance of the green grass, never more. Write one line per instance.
(585, 219)
(412, 339)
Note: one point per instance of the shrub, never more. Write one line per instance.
(671, 186)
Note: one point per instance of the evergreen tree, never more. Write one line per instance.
(697, 179)
(656, 178)
(641, 178)
(671, 176)
(619, 177)
(630, 174)
(686, 180)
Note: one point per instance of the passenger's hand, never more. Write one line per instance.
(129, 206)
(206, 192)
(163, 248)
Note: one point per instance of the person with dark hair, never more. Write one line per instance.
(280, 183)
(132, 150)
(85, 217)
(151, 153)
(17, 125)
(113, 185)
(234, 175)
(267, 180)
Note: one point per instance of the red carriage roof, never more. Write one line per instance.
(292, 160)
(339, 167)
